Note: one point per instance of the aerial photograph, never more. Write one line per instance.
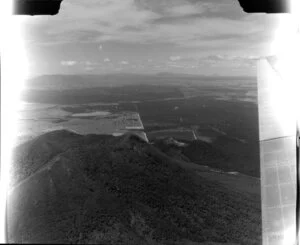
(138, 124)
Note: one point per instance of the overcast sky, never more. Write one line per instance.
(148, 36)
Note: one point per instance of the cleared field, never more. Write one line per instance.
(180, 135)
(128, 121)
(36, 121)
(92, 114)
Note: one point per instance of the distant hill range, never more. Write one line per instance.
(79, 81)
(70, 188)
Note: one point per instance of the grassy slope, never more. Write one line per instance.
(123, 191)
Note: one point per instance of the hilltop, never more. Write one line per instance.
(102, 189)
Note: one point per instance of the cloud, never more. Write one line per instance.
(87, 63)
(186, 23)
(231, 57)
(231, 60)
(124, 62)
(89, 68)
(174, 58)
(180, 22)
(68, 62)
(198, 28)
(183, 10)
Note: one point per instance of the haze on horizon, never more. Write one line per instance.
(148, 36)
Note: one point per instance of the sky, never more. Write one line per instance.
(207, 37)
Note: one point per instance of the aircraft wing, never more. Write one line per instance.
(277, 136)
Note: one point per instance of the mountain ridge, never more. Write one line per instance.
(121, 190)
